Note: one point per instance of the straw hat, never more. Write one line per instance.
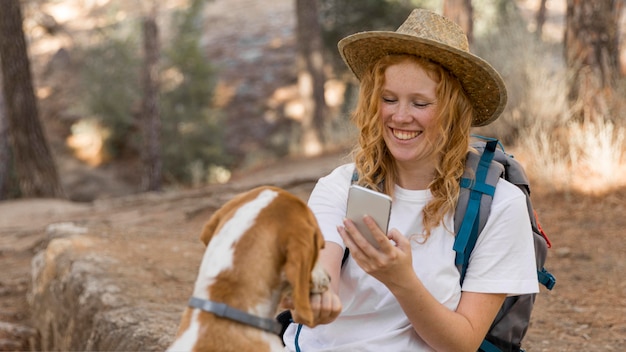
(429, 35)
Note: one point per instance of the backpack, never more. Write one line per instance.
(473, 208)
(478, 186)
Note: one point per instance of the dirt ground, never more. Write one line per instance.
(584, 312)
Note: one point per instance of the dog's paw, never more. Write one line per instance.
(320, 280)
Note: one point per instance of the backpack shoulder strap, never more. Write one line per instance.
(478, 186)
(515, 174)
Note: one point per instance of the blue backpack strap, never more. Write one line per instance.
(479, 181)
(297, 338)
(473, 221)
(546, 278)
(355, 176)
(487, 346)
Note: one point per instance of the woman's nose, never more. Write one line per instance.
(402, 113)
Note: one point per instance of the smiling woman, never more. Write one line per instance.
(421, 91)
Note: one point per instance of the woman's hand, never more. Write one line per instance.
(326, 307)
(391, 264)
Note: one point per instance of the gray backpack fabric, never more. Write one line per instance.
(473, 208)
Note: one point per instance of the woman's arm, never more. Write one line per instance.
(441, 328)
(330, 258)
(327, 306)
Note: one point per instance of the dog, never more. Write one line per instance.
(262, 246)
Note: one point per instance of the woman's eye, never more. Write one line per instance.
(420, 105)
(389, 100)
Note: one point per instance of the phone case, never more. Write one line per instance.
(362, 201)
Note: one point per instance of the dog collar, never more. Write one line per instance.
(226, 311)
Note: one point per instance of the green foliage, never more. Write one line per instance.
(191, 129)
(110, 87)
(192, 132)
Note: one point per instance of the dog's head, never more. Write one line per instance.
(286, 227)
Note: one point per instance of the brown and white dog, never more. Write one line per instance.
(261, 245)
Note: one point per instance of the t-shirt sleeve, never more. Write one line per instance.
(503, 260)
(329, 199)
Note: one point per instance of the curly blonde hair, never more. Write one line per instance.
(376, 166)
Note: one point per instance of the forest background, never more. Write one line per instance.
(111, 97)
(99, 93)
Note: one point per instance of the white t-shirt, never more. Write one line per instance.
(503, 261)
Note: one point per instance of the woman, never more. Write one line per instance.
(421, 91)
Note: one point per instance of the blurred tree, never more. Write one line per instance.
(150, 114)
(5, 152)
(310, 65)
(193, 131)
(190, 135)
(540, 18)
(36, 171)
(591, 54)
(461, 12)
(110, 89)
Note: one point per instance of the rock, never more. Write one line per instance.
(88, 294)
(16, 337)
(10, 345)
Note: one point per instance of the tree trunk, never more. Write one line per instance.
(592, 56)
(5, 152)
(36, 172)
(461, 13)
(540, 18)
(151, 120)
(311, 79)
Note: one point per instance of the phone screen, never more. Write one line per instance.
(364, 201)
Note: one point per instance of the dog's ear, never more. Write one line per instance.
(209, 229)
(214, 222)
(219, 216)
(302, 253)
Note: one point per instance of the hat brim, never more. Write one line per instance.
(482, 84)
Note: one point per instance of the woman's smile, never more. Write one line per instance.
(405, 135)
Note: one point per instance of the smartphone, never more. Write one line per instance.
(364, 201)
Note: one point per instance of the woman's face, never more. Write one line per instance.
(408, 109)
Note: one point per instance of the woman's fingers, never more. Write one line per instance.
(326, 307)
